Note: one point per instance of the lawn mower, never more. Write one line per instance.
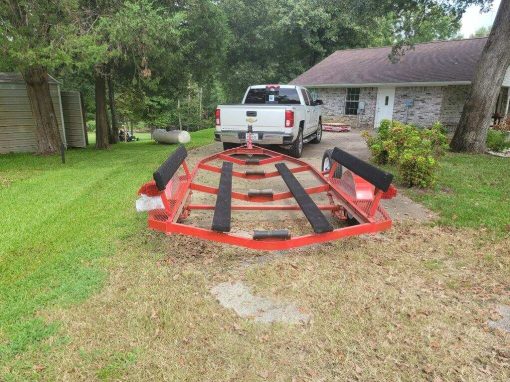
(352, 188)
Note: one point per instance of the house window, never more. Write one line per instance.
(352, 101)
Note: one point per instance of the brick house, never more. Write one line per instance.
(429, 83)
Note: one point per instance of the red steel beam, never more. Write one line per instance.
(258, 199)
(272, 244)
(276, 207)
(238, 174)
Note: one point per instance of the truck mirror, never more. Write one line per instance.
(319, 102)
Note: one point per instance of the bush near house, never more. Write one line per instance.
(412, 150)
(498, 140)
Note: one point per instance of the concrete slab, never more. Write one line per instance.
(238, 297)
(504, 322)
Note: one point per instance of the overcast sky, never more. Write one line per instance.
(473, 19)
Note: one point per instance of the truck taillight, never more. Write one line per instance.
(289, 118)
(218, 113)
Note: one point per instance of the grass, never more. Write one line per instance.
(472, 191)
(408, 305)
(59, 224)
(88, 293)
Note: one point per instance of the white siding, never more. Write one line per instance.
(506, 80)
(73, 119)
(17, 126)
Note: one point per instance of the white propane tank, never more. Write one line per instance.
(173, 136)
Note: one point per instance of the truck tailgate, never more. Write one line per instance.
(262, 118)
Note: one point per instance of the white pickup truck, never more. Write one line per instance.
(282, 115)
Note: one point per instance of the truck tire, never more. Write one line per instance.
(228, 146)
(327, 162)
(318, 137)
(296, 150)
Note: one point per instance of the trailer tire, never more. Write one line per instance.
(351, 220)
(296, 150)
(327, 162)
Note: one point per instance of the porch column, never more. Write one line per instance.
(507, 101)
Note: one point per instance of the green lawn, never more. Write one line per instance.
(59, 223)
(88, 293)
(472, 191)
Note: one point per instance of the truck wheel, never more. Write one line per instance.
(296, 150)
(228, 146)
(318, 137)
(327, 162)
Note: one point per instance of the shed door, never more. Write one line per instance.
(384, 105)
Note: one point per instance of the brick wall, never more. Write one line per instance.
(426, 108)
(452, 104)
(431, 104)
(333, 109)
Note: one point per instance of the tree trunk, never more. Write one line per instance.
(84, 116)
(471, 133)
(115, 126)
(47, 134)
(101, 116)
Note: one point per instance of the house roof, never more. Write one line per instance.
(17, 77)
(434, 62)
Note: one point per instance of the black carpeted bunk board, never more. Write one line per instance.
(223, 208)
(314, 215)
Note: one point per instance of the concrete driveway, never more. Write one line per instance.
(400, 208)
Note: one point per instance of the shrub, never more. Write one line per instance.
(417, 168)
(497, 140)
(91, 126)
(413, 151)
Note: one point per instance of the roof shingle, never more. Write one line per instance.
(438, 61)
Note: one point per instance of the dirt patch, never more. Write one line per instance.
(238, 297)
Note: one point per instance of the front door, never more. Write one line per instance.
(384, 105)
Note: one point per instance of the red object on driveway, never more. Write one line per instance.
(336, 127)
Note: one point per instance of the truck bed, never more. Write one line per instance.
(263, 118)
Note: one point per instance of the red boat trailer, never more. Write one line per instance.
(353, 197)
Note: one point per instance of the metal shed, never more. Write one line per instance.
(17, 125)
(73, 119)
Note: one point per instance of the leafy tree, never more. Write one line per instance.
(38, 36)
(482, 31)
(92, 17)
(183, 46)
(471, 133)
(274, 41)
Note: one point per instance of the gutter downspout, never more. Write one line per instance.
(507, 102)
(63, 131)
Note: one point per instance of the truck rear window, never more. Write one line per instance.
(281, 96)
